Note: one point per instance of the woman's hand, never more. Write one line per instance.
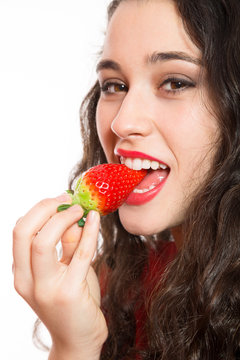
(64, 293)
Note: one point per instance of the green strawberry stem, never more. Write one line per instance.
(70, 192)
(82, 221)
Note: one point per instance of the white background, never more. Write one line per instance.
(48, 54)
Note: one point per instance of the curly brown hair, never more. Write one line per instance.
(195, 312)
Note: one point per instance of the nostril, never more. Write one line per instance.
(130, 125)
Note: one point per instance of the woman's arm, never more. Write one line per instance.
(64, 293)
(61, 353)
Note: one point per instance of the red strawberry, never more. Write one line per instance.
(104, 188)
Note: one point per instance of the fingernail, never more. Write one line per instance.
(64, 198)
(92, 216)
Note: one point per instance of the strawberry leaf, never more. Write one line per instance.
(71, 192)
(63, 207)
(81, 222)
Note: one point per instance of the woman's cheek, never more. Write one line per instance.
(103, 124)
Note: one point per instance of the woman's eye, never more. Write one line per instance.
(175, 85)
(113, 87)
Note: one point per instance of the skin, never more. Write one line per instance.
(143, 112)
(147, 116)
(64, 294)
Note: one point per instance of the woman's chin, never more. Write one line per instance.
(136, 226)
(142, 222)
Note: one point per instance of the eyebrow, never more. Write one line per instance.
(108, 64)
(172, 55)
(152, 59)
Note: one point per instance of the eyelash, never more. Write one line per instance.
(105, 87)
(184, 84)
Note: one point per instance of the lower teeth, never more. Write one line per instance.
(142, 191)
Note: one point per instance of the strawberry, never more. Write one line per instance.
(104, 188)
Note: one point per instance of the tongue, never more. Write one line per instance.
(154, 177)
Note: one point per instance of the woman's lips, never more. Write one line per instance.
(152, 182)
(152, 179)
(142, 198)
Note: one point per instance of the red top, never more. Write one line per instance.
(158, 260)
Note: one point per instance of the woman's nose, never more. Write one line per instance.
(134, 117)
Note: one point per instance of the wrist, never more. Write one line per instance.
(59, 352)
(77, 348)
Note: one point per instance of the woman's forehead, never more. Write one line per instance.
(147, 27)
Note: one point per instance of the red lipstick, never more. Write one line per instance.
(151, 184)
(140, 199)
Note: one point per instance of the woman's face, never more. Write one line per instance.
(154, 112)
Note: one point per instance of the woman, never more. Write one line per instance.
(168, 94)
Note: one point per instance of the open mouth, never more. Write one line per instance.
(152, 182)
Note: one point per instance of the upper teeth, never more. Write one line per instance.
(138, 164)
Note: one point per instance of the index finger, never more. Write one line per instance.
(28, 226)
